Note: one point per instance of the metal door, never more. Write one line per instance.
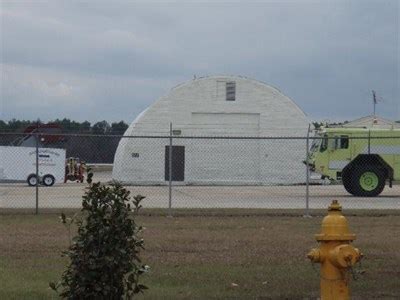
(178, 163)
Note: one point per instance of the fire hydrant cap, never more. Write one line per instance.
(334, 225)
(344, 256)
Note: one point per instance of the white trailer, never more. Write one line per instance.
(19, 164)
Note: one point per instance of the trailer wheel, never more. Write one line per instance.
(48, 180)
(368, 181)
(32, 180)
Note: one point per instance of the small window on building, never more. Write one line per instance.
(231, 91)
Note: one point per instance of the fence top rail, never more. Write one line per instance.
(166, 136)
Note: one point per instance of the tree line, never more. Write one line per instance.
(90, 146)
(68, 126)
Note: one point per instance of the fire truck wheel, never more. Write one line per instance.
(346, 180)
(48, 180)
(32, 180)
(368, 181)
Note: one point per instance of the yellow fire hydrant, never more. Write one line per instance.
(335, 254)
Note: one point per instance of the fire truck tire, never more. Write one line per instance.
(48, 180)
(347, 182)
(368, 181)
(32, 180)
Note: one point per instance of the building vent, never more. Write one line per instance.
(176, 132)
(230, 91)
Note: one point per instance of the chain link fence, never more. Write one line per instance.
(237, 233)
(180, 172)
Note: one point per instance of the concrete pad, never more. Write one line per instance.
(69, 195)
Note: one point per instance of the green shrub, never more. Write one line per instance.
(104, 260)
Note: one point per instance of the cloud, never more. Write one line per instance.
(114, 59)
(47, 94)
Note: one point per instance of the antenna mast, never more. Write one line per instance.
(374, 101)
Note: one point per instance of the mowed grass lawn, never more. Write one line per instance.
(202, 257)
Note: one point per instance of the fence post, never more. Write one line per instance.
(37, 170)
(307, 212)
(170, 172)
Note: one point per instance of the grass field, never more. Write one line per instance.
(223, 255)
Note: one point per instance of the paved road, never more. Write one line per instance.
(286, 197)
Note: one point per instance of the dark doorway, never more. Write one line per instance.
(178, 163)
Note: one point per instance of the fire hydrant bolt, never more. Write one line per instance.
(335, 254)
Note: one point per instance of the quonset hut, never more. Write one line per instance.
(215, 106)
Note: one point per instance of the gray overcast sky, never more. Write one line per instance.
(109, 60)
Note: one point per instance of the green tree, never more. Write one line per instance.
(101, 128)
(104, 260)
(3, 126)
(119, 128)
(85, 127)
(317, 125)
